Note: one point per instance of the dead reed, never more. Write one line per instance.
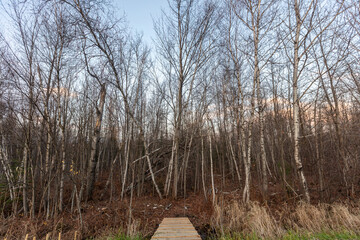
(265, 223)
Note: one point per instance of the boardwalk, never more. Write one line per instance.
(176, 228)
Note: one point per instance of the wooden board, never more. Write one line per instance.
(176, 228)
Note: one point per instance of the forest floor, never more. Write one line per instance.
(102, 218)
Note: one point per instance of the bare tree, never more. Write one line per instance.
(259, 19)
(303, 18)
(185, 43)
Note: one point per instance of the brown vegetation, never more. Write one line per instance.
(96, 133)
(273, 224)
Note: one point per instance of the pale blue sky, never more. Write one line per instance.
(140, 15)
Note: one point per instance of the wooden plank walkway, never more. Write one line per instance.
(176, 228)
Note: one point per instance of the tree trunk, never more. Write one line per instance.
(4, 160)
(94, 155)
(127, 156)
(24, 186)
(262, 137)
(234, 159)
(203, 167)
(212, 172)
(247, 159)
(186, 159)
(149, 165)
(177, 140)
(63, 159)
(296, 103)
(170, 170)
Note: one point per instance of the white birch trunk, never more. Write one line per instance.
(187, 155)
(95, 145)
(127, 152)
(234, 160)
(212, 172)
(9, 175)
(203, 167)
(61, 194)
(150, 167)
(297, 159)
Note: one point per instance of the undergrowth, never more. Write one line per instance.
(323, 221)
(124, 237)
(295, 236)
(119, 235)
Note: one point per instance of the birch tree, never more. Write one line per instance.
(185, 43)
(303, 18)
(259, 19)
(21, 62)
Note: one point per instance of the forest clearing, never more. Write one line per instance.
(241, 115)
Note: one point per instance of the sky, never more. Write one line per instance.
(140, 15)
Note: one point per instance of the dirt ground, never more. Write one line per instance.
(100, 218)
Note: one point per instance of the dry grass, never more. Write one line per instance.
(340, 217)
(134, 228)
(310, 217)
(259, 220)
(262, 222)
(247, 219)
(233, 215)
